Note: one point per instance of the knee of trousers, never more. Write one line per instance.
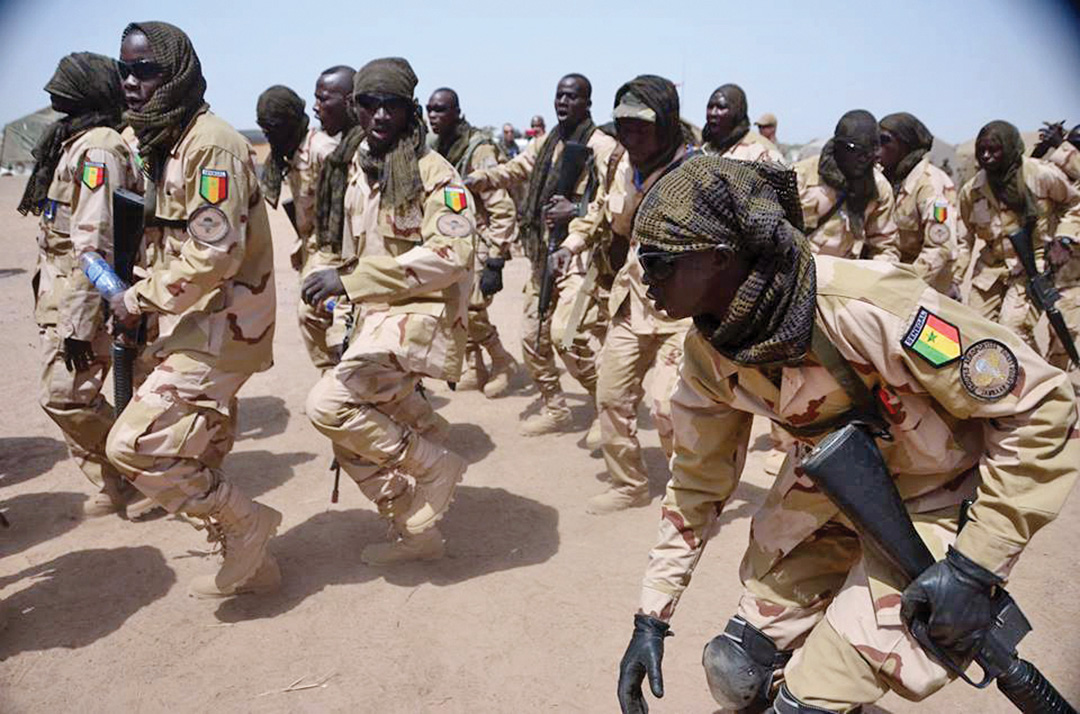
(120, 450)
(740, 664)
(324, 406)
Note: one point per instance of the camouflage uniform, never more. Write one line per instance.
(752, 147)
(1067, 158)
(925, 214)
(76, 219)
(408, 276)
(806, 581)
(303, 178)
(580, 358)
(873, 235)
(999, 283)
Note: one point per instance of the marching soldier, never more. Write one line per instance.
(727, 129)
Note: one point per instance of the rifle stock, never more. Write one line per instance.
(127, 236)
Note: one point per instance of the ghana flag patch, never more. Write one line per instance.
(214, 185)
(93, 174)
(455, 199)
(933, 339)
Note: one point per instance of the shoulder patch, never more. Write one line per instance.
(453, 225)
(933, 339)
(989, 370)
(214, 186)
(208, 224)
(455, 199)
(941, 211)
(93, 174)
(939, 233)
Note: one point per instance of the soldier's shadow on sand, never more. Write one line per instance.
(470, 441)
(77, 598)
(487, 530)
(262, 417)
(38, 517)
(257, 472)
(24, 457)
(8, 272)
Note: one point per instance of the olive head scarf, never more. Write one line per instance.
(913, 134)
(161, 123)
(736, 100)
(1007, 179)
(754, 209)
(280, 110)
(89, 84)
(860, 128)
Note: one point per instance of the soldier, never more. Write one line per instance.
(925, 209)
(727, 128)
(1054, 148)
(79, 160)
(507, 144)
(1011, 192)
(468, 150)
(210, 285)
(537, 127)
(766, 124)
(409, 232)
(773, 324)
(539, 165)
(847, 203)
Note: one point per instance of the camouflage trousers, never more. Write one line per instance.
(481, 330)
(315, 322)
(580, 358)
(370, 409)
(74, 401)
(838, 606)
(1006, 302)
(171, 439)
(1069, 304)
(624, 361)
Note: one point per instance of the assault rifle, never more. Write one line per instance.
(128, 220)
(1041, 290)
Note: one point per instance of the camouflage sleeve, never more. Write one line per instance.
(443, 258)
(937, 216)
(1055, 185)
(882, 236)
(501, 229)
(515, 171)
(711, 441)
(584, 231)
(219, 188)
(307, 170)
(1031, 447)
(965, 239)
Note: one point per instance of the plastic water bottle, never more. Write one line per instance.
(101, 274)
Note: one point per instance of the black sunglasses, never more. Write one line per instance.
(373, 102)
(886, 139)
(142, 69)
(855, 148)
(659, 265)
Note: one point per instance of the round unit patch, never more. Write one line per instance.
(208, 224)
(989, 370)
(451, 224)
(939, 232)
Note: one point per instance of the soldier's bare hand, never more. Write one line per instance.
(559, 210)
(123, 319)
(297, 260)
(559, 261)
(321, 285)
(78, 354)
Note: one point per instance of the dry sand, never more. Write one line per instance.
(530, 611)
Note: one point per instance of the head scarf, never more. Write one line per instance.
(1074, 136)
(1007, 182)
(161, 123)
(91, 85)
(859, 127)
(913, 134)
(660, 95)
(456, 145)
(331, 186)
(280, 106)
(754, 209)
(396, 171)
(736, 99)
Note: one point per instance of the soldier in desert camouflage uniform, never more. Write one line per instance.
(79, 161)
(210, 287)
(727, 129)
(408, 247)
(973, 412)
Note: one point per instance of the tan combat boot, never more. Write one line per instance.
(437, 471)
(594, 438)
(406, 547)
(141, 506)
(243, 528)
(615, 499)
(111, 499)
(503, 369)
(554, 417)
(475, 373)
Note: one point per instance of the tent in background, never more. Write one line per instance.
(19, 139)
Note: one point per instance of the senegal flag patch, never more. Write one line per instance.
(93, 174)
(214, 185)
(933, 339)
(941, 211)
(455, 199)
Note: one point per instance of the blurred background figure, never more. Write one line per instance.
(766, 126)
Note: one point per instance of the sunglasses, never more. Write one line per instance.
(374, 102)
(886, 139)
(142, 69)
(659, 265)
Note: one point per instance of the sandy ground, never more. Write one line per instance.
(530, 611)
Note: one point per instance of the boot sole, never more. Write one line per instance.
(247, 588)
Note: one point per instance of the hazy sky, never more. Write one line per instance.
(956, 65)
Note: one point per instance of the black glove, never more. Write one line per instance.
(491, 276)
(954, 597)
(643, 656)
(78, 354)
(320, 285)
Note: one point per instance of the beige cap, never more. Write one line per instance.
(766, 119)
(631, 107)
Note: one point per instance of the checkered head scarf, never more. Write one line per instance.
(753, 208)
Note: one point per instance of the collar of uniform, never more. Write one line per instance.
(187, 131)
(74, 137)
(813, 176)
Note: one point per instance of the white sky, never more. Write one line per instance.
(956, 65)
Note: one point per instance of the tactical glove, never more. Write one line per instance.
(78, 354)
(954, 597)
(491, 276)
(643, 656)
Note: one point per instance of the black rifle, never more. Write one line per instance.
(574, 157)
(290, 211)
(127, 237)
(848, 467)
(1041, 290)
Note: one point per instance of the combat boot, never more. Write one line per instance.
(475, 373)
(437, 471)
(266, 579)
(406, 547)
(503, 369)
(243, 528)
(594, 438)
(112, 498)
(554, 417)
(141, 507)
(615, 499)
